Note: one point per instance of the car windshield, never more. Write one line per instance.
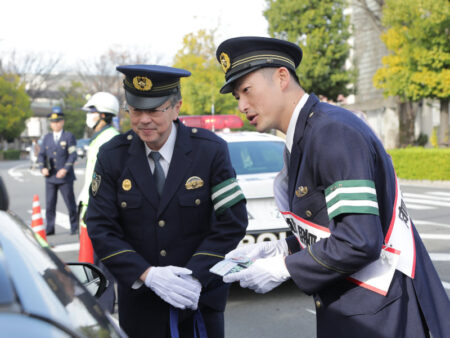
(256, 157)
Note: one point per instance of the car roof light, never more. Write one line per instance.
(212, 122)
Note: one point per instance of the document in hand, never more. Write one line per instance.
(232, 265)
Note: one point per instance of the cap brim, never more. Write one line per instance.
(229, 85)
(141, 102)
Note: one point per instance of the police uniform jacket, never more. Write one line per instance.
(332, 145)
(131, 228)
(57, 156)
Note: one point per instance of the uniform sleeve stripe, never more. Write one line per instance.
(354, 210)
(226, 185)
(208, 254)
(229, 201)
(226, 194)
(349, 184)
(115, 254)
(347, 191)
(351, 196)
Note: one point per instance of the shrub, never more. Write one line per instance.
(11, 154)
(417, 163)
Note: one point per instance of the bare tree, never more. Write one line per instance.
(36, 71)
(101, 74)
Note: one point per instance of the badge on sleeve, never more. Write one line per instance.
(95, 185)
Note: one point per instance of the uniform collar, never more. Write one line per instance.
(293, 122)
(166, 150)
(58, 134)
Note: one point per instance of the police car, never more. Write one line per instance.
(257, 158)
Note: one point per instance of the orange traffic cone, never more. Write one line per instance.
(86, 253)
(37, 223)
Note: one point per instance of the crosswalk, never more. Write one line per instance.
(427, 201)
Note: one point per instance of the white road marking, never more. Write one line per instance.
(426, 202)
(439, 193)
(440, 257)
(446, 285)
(444, 237)
(413, 206)
(67, 247)
(420, 222)
(15, 173)
(426, 196)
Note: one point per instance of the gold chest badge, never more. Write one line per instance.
(301, 191)
(126, 184)
(194, 182)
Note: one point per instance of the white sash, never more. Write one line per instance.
(398, 252)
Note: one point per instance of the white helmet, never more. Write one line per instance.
(103, 103)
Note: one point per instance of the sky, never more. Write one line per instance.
(85, 29)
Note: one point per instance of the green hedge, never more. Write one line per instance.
(10, 154)
(417, 163)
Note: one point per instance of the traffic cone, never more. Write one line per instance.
(37, 223)
(86, 253)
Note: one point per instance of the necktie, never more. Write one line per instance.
(56, 139)
(158, 173)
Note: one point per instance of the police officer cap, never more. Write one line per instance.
(149, 86)
(56, 114)
(242, 55)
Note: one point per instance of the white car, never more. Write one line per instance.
(257, 158)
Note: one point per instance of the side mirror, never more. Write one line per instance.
(91, 277)
(4, 200)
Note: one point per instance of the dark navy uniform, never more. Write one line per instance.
(131, 228)
(55, 156)
(333, 145)
(344, 205)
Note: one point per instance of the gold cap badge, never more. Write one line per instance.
(225, 62)
(126, 184)
(142, 83)
(194, 182)
(301, 191)
(54, 116)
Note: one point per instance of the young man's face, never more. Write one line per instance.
(57, 125)
(258, 97)
(153, 126)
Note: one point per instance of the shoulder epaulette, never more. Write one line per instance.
(204, 134)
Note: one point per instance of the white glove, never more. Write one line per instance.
(263, 275)
(174, 285)
(260, 250)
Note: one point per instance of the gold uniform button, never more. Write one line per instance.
(161, 223)
(123, 204)
(163, 253)
(54, 153)
(129, 137)
(197, 201)
(194, 130)
(318, 304)
(308, 213)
